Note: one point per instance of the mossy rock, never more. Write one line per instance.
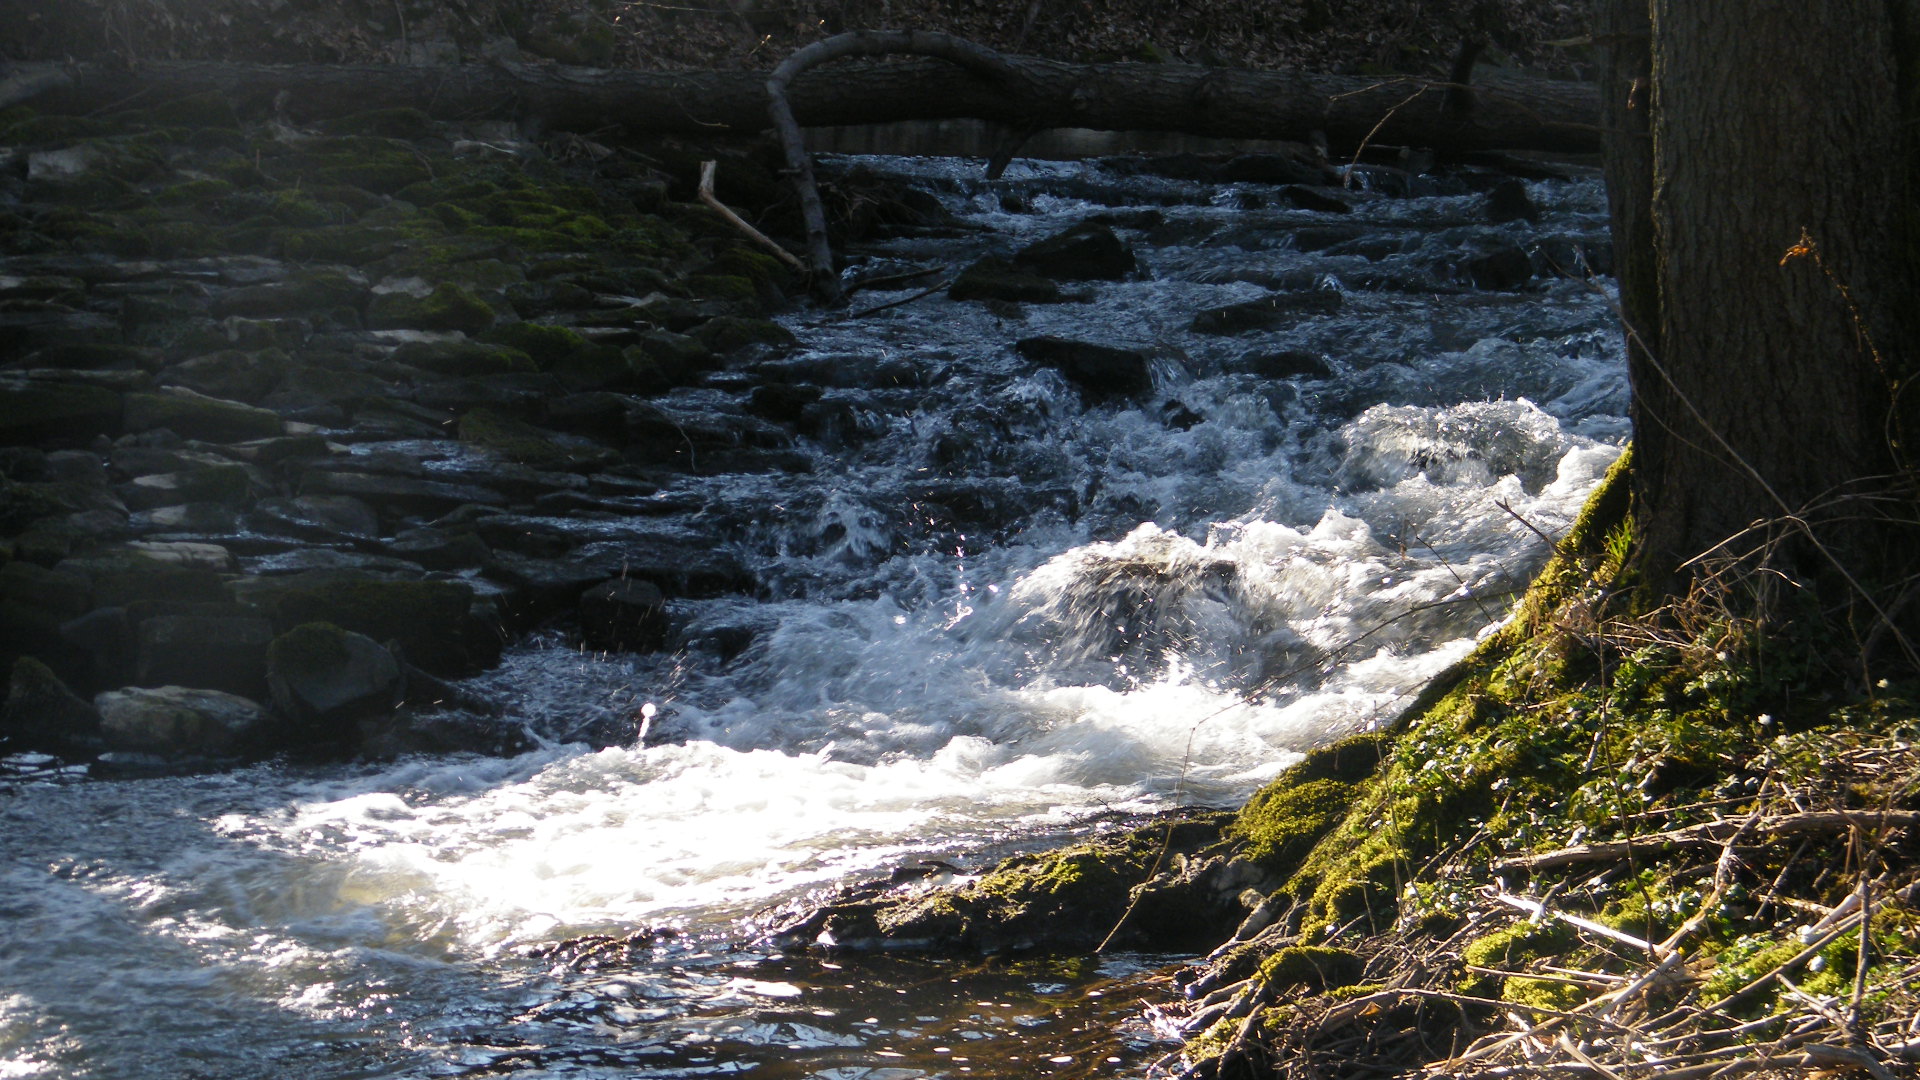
(725, 333)
(545, 344)
(1316, 967)
(196, 416)
(464, 358)
(398, 123)
(208, 110)
(194, 193)
(24, 127)
(448, 307)
(432, 620)
(355, 245)
(33, 412)
(521, 442)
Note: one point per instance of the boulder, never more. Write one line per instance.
(1086, 251)
(1505, 268)
(33, 411)
(324, 518)
(1275, 169)
(230, 374)
(624, 615)
(432, 620)
(1509, 201)
(209, 651)
(40, 713)
(783, 403)
(1101, 372)
(997, 279)
(1284, 364)
(177, 720)
(326, 679)
(1306, 198)
(226, 485)
(196, 416)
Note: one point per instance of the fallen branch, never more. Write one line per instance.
(707, 196)
(1710, 834)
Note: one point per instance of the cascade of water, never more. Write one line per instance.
(992, 609)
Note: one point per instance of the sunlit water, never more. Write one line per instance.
(1137, 605)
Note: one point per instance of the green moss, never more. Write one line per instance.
(24, 127)
(1509, 948)
(208, 110)
(1283, 820)
(726, 333)
(400, 123)
(194, 193)
(545, 344)
(314, 646)
(464, 358)
(448, 307)
(1314, 966)
(521, 442)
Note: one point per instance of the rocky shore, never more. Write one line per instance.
(297, 425)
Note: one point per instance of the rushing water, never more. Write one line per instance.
(993, 616)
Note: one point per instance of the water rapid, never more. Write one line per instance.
(996, 610)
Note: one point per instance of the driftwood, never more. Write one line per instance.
(1033, 94)
(1712, 834)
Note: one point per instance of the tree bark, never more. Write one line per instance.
(1767, 273)
(1510, 113)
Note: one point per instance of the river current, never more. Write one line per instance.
(992, 616)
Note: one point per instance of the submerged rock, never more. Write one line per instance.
(624, 615)
(1268, 313)
(996, 279)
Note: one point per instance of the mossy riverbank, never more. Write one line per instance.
(1642, 840)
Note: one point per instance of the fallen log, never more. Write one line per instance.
(1508, 113)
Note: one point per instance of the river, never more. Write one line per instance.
(992, 615)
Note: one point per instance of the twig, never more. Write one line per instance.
(903, 300)
(707, 196)
(1707, 834)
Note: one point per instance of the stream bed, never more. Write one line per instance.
(996, 609)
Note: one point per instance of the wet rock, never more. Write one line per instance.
(595, 414)
(177, 721)
(228, 485)
(1176, 415)
(301, 560)
(325, 680)
(1306, 198)
(464, 358)
(994, 279)
(624, 615)
(783, 403)
(197, 416)
(1268, 313)
(446, 307)
(209, 651)
(1086, 251)
(22, 332)
(34, 411)
(95, 357)
(34, 601)
(326, 518)
(105, 637)
(80, 467)
(1275, 169)
(1510, 201)
(441, 549)
(432, 620)
(40, 713)
(205, 519)
(526, 444)
(1282, 364)
(245, 377)
(1503, 269)
(308, 291)
(726, 333)
(1100, 372)
(399, 495)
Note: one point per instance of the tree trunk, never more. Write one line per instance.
(1513, 113)
(1767, 272)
